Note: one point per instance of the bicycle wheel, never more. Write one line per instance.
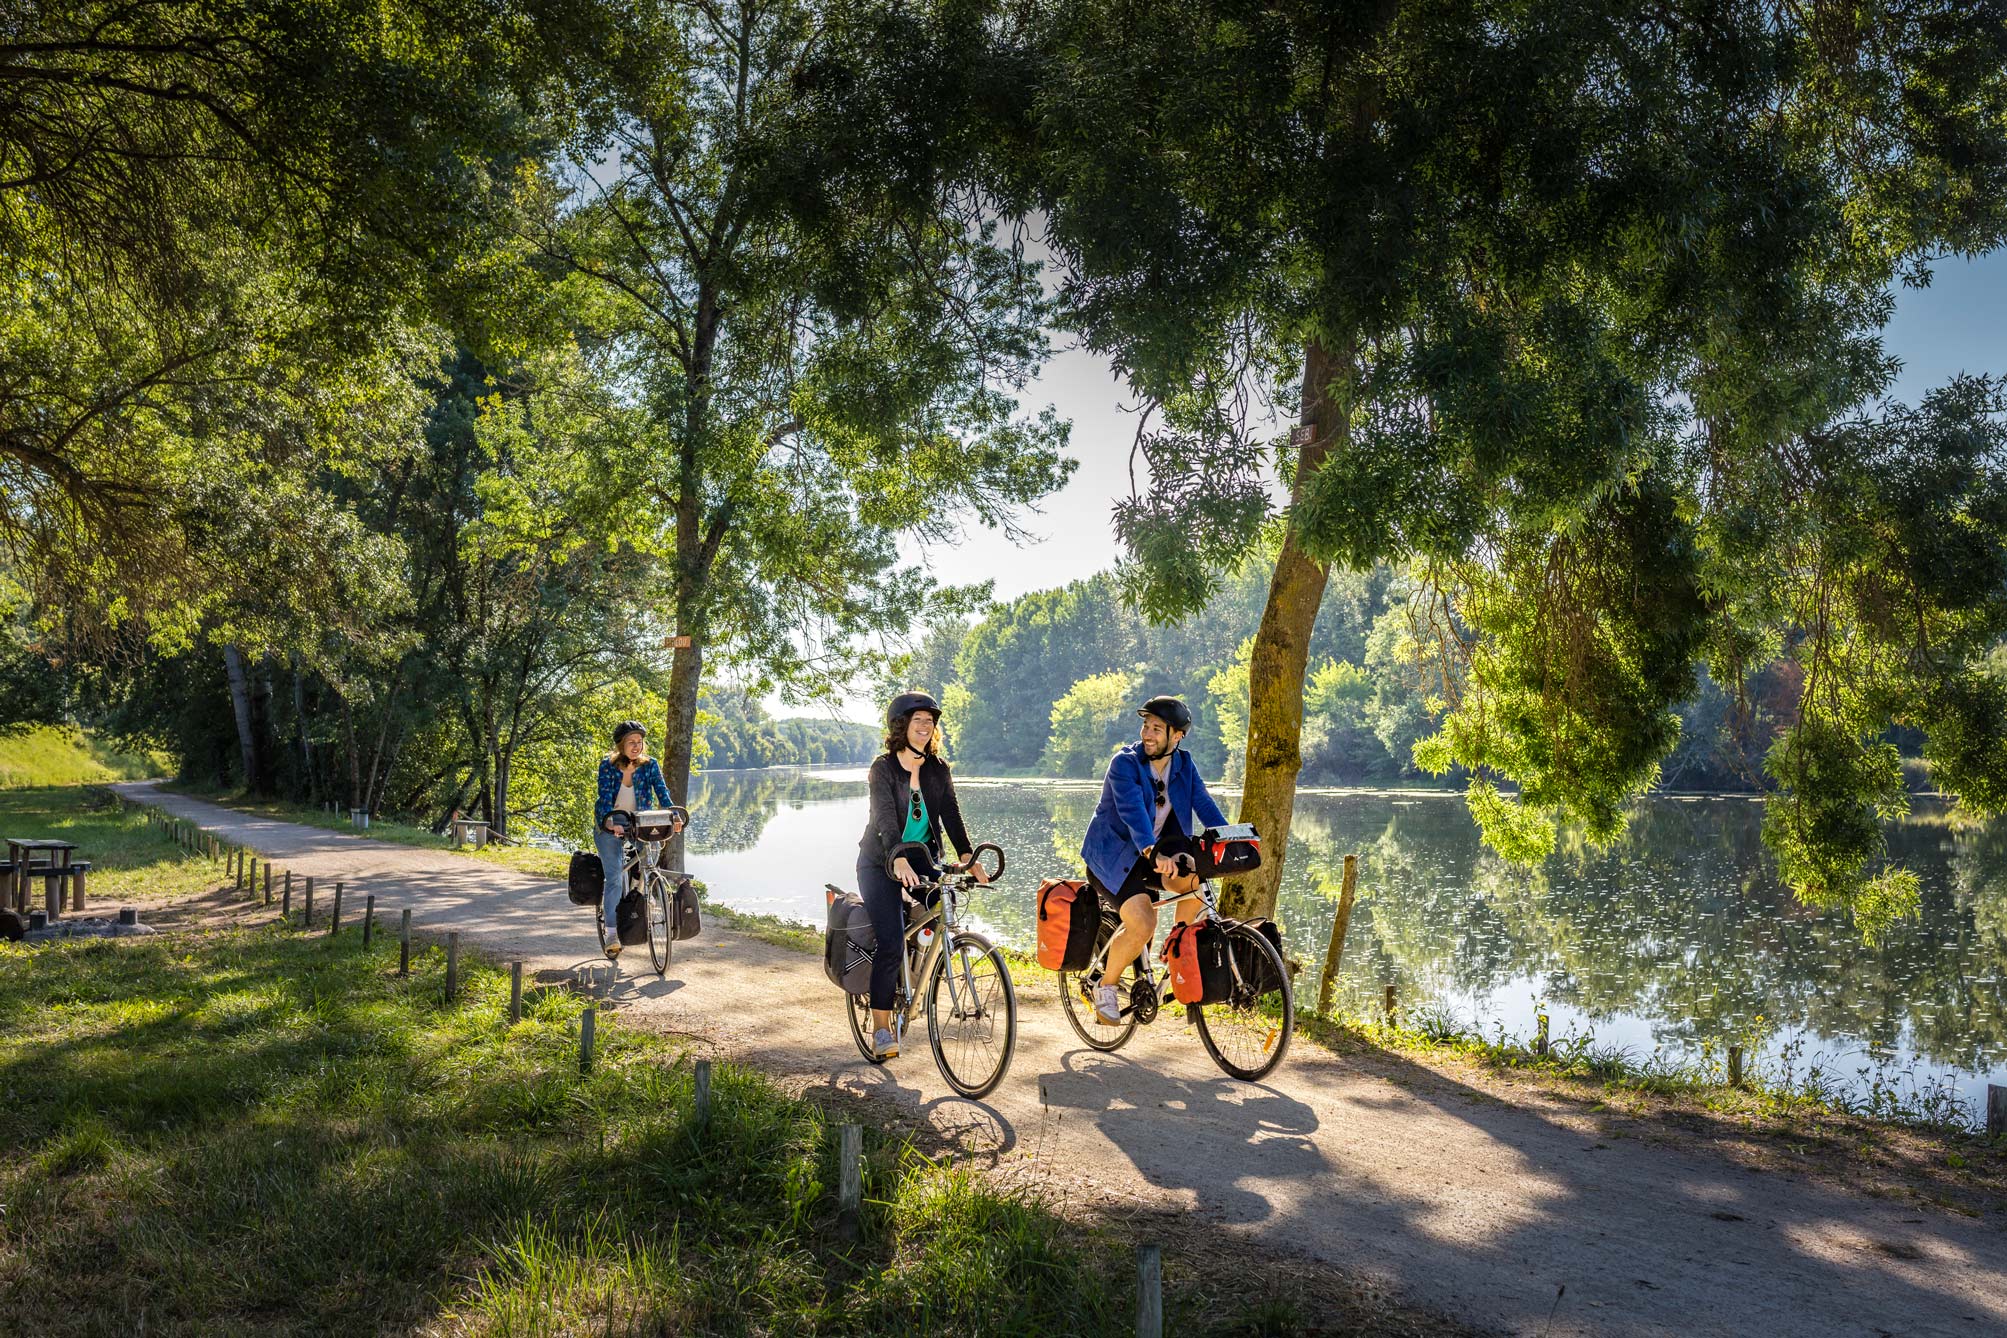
(1247, 1034)
(858, 1006)
(1080, 1014)
(972, 1015)
(655, 902)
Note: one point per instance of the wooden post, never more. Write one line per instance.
(1996, 1110)
(452, 965)
(1149, 1291)
(849, 1179)
(404, 944)
(368, 919)
(334, 924)
(703, 1072)
(268, 882)
(1336, 952)
(77, 891)
(308, 923)
(515, 992)
(1390, 1005)
(52, 898)
(237, 868)
(1735, 1066)
(285, 901)
(585, 1029)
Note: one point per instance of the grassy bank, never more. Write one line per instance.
(253, 1131)
(130, 861)
(53, 755)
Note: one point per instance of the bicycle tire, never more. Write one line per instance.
(1080, 1013)
(1250, 1012)
(858, 1006)
(655, 909)
(978, 1084)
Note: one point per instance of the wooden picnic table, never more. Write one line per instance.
(25, 858)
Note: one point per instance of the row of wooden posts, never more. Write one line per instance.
(243, 866)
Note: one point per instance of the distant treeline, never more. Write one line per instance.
(737, 733)
(1048, 683)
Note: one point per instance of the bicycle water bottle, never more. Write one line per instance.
(926, 938)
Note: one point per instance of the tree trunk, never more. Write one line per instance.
(680, 730)
(1281, 655)
(240, 706)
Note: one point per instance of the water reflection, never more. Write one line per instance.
(1677, 936)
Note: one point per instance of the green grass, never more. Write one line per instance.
(130, 860)
(52, 755)
(259, 1132)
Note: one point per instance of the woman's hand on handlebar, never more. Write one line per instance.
(904, 873)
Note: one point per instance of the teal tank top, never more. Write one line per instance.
(916, 827)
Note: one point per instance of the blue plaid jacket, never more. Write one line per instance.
(648, 783)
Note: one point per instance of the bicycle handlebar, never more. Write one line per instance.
(899, 852)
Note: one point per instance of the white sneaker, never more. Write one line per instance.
(1108, 1005)
(885, 1044)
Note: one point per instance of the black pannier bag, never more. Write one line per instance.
(1255, 967)
(848, 943)
(631, 918)
(1226, 852)
(585, 882)
(683, 919)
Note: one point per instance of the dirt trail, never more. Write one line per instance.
(1444, 1195)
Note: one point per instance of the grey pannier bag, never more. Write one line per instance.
(849, 942)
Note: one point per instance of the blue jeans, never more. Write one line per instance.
(612, 854)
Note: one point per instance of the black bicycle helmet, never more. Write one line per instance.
(908, 702)
(1169, 710)
(625, 728)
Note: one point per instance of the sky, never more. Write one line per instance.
(1957, 324)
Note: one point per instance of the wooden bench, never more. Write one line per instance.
(359, 817)
(468, 829)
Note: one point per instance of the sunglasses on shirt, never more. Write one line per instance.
(1160, 790)
(918, 812)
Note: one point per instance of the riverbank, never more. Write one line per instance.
(1428, 1188)
(1916, 1131)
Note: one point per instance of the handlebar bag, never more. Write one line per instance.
(1224, 852)
(683, 919)
(585, 881)
(1197, 955)
(848, 943)
(1069, 914)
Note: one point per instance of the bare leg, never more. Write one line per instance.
(1139, 925)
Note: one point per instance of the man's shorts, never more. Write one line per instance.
(1142, 879)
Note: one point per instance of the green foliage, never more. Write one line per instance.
(1093, 719)
(1582, 311)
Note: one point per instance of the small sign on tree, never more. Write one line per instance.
(1302, 434)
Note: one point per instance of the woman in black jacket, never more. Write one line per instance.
(912, 799)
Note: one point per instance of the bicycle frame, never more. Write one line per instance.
(945, 912)
(1146, 960)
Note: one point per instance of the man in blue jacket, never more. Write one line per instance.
(1152, 804)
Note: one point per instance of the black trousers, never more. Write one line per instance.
(886, 901)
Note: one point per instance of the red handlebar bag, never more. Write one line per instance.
(1068, 916)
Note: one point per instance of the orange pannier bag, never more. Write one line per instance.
(1069, 914)
(1196, 954)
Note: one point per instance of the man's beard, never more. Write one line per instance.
(1150, 751)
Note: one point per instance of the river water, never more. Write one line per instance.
(1676, 938)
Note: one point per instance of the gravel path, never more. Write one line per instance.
(1450, 1198)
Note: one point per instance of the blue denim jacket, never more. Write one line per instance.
(1125, 821)
(648, 783)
